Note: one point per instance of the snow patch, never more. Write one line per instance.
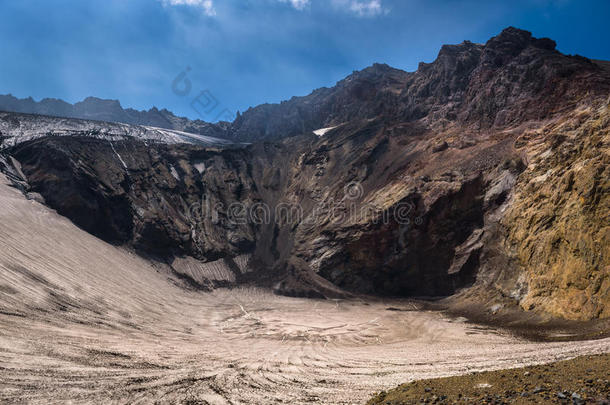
(323, 131)
(17, 128)
(119, 156)
(174, 173)
(200, 167)
(174, 136)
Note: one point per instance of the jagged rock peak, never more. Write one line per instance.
(513, 40)
(452, 50)
(374, 69)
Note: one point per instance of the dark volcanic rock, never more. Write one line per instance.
(149, 196)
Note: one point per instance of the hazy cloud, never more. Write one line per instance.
(362, 8)
(206, 5)
(298, 4)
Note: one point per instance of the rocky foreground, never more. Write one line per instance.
(584, 380)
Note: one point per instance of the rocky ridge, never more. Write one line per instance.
(93, 108)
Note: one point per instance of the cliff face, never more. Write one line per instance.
(483, 175)
(126, 192)
(558, 225)
(460, 174)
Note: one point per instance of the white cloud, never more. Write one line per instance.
(206, 5)
(298, 4)
(362, 8)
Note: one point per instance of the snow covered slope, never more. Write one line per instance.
(16, 128)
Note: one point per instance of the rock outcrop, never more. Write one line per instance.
(558, 224)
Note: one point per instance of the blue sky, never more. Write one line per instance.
(247, 52)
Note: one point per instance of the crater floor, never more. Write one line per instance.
(85, 321)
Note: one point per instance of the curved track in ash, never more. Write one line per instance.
(87, 322)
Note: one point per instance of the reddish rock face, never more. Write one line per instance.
(437, 182)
